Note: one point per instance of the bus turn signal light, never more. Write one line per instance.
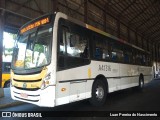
(63, 89)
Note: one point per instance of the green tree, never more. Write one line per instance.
(14, 36)
(39, 48)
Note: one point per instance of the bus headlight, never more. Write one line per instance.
(46, 81)
(47, 77)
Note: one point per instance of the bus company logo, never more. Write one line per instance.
(6, 114)
(24, 85)
(18, 114)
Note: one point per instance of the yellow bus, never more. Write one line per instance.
(6, 74)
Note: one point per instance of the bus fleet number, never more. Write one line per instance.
(104, 68)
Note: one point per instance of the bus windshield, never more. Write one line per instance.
(33, 49)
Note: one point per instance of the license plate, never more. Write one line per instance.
(24, 95)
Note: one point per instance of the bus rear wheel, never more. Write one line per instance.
(141, 83)
(99, 93)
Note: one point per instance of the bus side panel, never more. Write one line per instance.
(113, 84)
(146, 73)
(135, 73)
(126, 76)
(76, 84)
(77, 90)
(109, 70)
(78, 81)
(89, 84)
(62, 93)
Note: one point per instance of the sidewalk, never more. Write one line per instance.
(7, 101)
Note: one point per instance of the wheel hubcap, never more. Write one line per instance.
(99, 92)
(141, 83)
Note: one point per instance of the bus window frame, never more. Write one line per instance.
(63, 23)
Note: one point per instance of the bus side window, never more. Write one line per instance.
(62, 41)
(113, 52)
(133, 57)
(84, 48)
(76, 45)
(101, 48)
(98, 53)
(139, 58)
(98, 49)
(143, 59)
(73, 46)
(148, 60)
(117, 53)
(62, 47)
(114, 56)
(106, 50)
(127, 55)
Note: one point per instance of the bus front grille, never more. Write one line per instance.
(29, 89)
(26, 96)
(27, 80)
(26, 99)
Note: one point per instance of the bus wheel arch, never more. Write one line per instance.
(103, 78)
(7, 84)
(99, 91)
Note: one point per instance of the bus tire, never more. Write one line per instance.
(141, 83)
(7, 84)
(99, 93)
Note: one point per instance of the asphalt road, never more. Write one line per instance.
(124, 100)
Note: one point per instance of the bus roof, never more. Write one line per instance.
(90, 27)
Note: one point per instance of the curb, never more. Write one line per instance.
(11, 104)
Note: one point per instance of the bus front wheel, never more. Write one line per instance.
(99, 93)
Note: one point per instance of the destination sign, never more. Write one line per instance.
(35, 24)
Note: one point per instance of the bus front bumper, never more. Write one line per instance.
(41, 97)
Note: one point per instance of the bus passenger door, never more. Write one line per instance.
(73, 54)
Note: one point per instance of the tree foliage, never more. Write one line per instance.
(39, 48)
